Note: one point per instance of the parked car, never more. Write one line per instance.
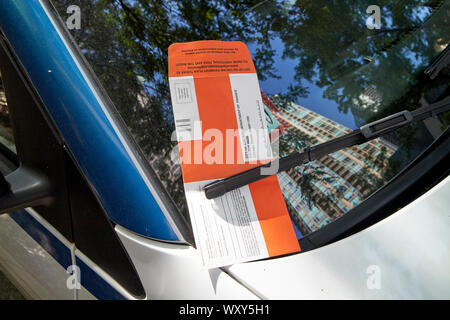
(92, 204)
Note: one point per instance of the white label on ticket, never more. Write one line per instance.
(226, 229)
(250, 116)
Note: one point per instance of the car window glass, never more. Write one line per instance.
(325, 68)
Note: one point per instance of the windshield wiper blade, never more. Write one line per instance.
(439, 63)
(364, 134)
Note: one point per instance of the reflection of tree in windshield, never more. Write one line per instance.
(371, 73)
(126, 43)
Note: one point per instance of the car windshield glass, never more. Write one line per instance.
(325, 68)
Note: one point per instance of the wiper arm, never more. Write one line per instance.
(364, 134)
(439, 63)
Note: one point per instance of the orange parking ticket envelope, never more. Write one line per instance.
(221, 130)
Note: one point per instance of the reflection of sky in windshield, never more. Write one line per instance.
(314, 100)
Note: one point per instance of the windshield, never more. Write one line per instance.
(325, 68)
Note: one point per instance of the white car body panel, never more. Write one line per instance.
(34, 271)
(409, 249)
(168, 271)
(173, 271)
(30, 267)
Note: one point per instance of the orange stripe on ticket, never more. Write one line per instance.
(273, 217)
(218, 70)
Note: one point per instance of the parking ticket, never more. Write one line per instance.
(222, 130)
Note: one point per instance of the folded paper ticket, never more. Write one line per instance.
(221, 130)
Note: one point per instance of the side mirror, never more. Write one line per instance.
(23, 188)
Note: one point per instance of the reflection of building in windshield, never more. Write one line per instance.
(325, 189)
(367, 103)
